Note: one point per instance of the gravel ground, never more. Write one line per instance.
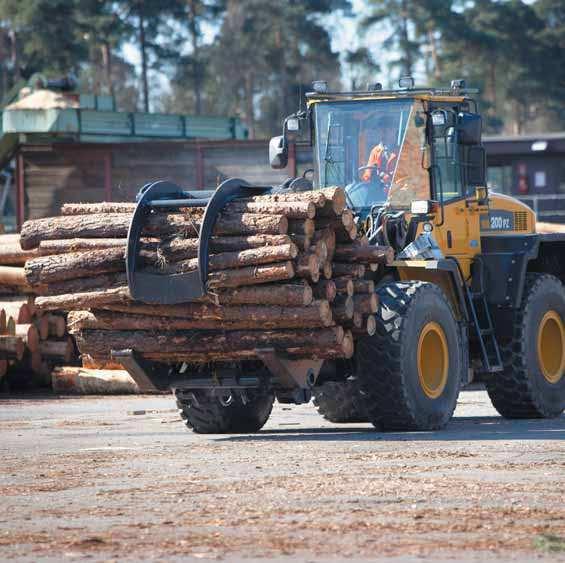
(122, 479)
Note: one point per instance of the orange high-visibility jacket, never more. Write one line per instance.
(383, 161)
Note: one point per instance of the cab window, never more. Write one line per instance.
(447, 166)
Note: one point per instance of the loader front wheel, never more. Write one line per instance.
(532, 384)
(410, 371)
(209, 412)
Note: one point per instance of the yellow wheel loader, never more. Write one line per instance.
(474, 293)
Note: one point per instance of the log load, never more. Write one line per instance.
(285, 271)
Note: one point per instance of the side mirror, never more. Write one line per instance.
(278, 152)
(470, 127)
(476, 166)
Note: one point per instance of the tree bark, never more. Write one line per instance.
(349, 270)
(290, 295)
(99, 343)
(85, 300)
(317, 197)
(251, 275)
(81, 285)
(250, 257)
(96, 208)
(83, 381)
(363, 286)
(366, 303)
(317, 315)
(325, 289)
(315, 312)
(60, 267)
(362, 253)
(290, 209)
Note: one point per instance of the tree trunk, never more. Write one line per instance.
(290, 295)
(317, 315)
(290, 209)
(97, 208)
(251, 275)
(107, 64)
(361, 253)
(91, 283)
(143, 50)
(84, 300)
(83, 381)
(99, 343)
(60, 267)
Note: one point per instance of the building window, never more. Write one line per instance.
(499, 179)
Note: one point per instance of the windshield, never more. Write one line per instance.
(359, 146)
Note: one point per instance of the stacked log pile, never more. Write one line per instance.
(285, 271)
(30, 341)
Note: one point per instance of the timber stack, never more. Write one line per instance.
(31, 342)
(286, 271)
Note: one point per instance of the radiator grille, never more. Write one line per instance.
(521, 220)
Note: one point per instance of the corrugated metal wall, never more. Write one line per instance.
(50, 175)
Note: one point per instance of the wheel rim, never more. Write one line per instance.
(433, 360)
(551, 347)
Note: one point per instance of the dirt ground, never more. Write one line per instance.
(113, 479)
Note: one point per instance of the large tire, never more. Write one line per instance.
(410, 371)
(522, 390)
(205, 413)
(340, 401)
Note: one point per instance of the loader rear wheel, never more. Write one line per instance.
(207, 412)
(532, 384)
(340, 401)
(410, 371)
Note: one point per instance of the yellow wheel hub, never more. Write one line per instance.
(433, 360)
(551, 347)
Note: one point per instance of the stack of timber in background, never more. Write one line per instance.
(31, 342)
(286, 271)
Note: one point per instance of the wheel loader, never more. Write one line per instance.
(474, 293)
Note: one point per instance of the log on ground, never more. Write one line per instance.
(83, 381)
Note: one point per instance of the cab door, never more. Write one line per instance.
(457, 224)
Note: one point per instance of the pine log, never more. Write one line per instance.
(182, 248)
(357, 320)
(337, 197)
(60, 267)
(344, 286)
(57, 349)
(11, 347)
(84, 300)
(29, 334)
(291, 295)
(305, 227)
(302, 241)
(325, 289)
(362, 253)
(82, 381)
(249, 257)
(327, 271)
(366, 303)
(57, 325)
(19, 310)
(316, 311)
(363, 286)
(94, 208)
(47, 247)
(328, 236)
(290, 209)
(343, 308)
(11, 253)
(371, 325)
(316, 315)
(251, 275)
(349, 270)
(81, 285)
(308, 267)
(116, 225)
(317, 197)
(13, 276)
(99, 343)
(321, 251)
(42, 326)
